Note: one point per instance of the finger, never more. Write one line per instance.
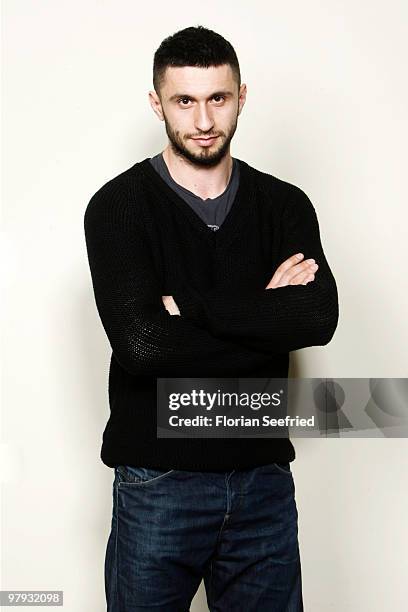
(286, 265)
(285, 278)
(302, 279)
(302, 271)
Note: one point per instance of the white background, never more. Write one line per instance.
(326, 110)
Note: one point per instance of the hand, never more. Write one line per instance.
(170, 305)
(291, 272)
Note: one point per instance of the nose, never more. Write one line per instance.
(202, 119)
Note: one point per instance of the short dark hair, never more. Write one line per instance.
(193, 46)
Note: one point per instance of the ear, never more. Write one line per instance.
(156, 104)
(242, 97)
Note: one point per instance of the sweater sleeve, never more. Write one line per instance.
(281, 319)
(145, 338)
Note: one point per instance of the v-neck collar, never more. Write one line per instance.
(235, 217)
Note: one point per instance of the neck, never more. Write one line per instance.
(206, 182)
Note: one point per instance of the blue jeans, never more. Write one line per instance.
(237, 530)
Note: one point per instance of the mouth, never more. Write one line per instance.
(205, 141)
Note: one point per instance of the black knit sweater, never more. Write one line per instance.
(143, 242)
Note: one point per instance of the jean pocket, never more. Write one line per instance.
(284, 467)
(131, 475)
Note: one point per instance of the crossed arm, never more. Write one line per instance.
(216, 328)
(293, 271)
(297, 308)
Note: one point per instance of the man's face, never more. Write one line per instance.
(200, 102)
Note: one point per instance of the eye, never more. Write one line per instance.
(222, 97)
(184, 98)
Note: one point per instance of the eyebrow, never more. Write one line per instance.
(176, 96)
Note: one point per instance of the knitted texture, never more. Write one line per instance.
(143, 242)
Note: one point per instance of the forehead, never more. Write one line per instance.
(197, 81)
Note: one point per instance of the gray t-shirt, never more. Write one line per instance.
(211, 210)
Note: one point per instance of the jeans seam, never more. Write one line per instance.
(281, 469)
(210, 585)
(116, 544)
(226, 516)
(144, 482)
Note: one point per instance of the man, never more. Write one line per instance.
(202, 266)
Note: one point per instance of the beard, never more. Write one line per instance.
(205, 157)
